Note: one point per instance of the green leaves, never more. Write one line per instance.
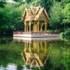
(55, 13)
(10, 16)
(66, 35)
(66, 13)
(58, 11)
(60, 15)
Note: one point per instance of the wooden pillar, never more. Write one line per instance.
(38, 25)
(30, 26)
(41, 27)
(34, 27)
(45, 27)
(25, 27)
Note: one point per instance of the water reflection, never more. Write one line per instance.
(4, 40)
(35, 53)
(9, 67)
(2, 68)
(54, 55)
(13, 67)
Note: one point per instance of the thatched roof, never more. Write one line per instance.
(34, 13)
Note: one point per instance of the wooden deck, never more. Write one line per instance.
(28, 36)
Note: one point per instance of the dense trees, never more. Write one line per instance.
(66, 13)
(10, 17)
(56, 16)
(60, 15)
(58, 11)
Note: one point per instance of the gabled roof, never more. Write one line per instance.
(34, 13)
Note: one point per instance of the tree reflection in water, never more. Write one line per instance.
(13, 67)
(56, 53)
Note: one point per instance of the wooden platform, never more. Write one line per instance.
(29, 36)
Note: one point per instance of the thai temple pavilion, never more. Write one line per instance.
(35, 20)
(35, 26)
(35, 30)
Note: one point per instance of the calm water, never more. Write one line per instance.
(54, 55)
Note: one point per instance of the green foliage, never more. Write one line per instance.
(10, 16)
(65, 2)
(46, 4)
(10, 53)
(58, 11)
(55, 13)
(58, 56)
(60, 15)
(66, 13)
(66, 35)
(2, 4)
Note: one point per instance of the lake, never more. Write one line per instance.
(44, 55)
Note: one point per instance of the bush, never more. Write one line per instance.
(66, 35)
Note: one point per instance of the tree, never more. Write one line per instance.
(55, 15)
(66, 13)
(66, 16)
(46, 4)
(65, 1)
(10, 17)
(65, 35)
(2, 3)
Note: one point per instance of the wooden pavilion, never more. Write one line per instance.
(35, 20)
(35, 26)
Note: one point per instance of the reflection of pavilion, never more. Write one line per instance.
(35, 53)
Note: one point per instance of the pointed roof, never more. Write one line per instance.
(34, 13)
